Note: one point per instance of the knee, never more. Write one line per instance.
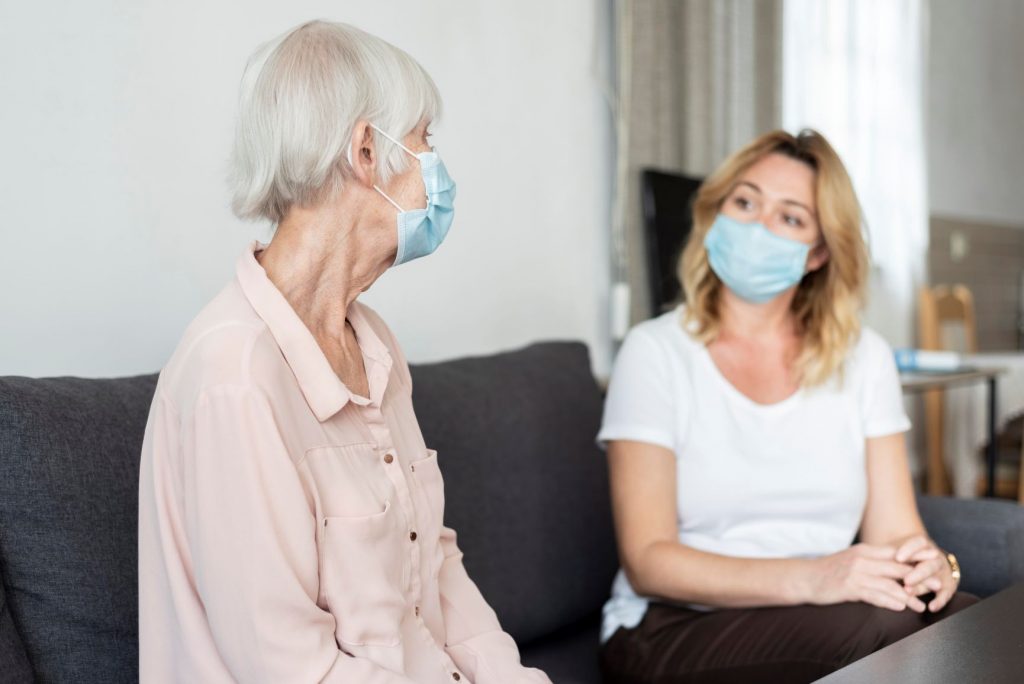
(960, 600)
(876, 628)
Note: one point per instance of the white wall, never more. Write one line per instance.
(115, 126)
(976, 110)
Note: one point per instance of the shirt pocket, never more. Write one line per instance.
(430, 483)
(364, 572)
(350, 480)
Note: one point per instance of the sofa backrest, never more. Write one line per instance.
(69, 471)
(526, 486)
(525, 489)
(14, 665)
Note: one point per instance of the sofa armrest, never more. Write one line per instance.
(986, 535)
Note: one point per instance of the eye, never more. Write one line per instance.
(792, 220)
(743, 203)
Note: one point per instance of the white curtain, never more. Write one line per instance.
(855, 70)
(696, 79)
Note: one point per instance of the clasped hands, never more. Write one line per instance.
(893, 577)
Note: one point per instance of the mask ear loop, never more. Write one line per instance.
(385, 196)
(393, 140)
(348, 155)
(407, 150)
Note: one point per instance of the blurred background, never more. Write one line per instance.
(117, 120)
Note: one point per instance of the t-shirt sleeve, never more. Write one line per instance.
(883, 411)
(639, 405)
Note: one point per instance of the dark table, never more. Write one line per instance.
(983, 643)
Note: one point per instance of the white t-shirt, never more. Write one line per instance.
(782, 480)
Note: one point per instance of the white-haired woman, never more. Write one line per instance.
(290, 514)
(752, 434)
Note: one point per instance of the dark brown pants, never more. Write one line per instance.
(780, 645)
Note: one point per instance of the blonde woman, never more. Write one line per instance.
(752, 434)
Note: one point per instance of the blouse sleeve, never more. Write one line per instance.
(639, 405)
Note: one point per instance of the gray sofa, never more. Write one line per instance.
(525, 487)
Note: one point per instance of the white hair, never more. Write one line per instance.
(300, 98)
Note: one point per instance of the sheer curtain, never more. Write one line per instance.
(695, 80)
(855, 70)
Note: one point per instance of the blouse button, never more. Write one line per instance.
(455, 676)
(412, 536)
(388, 458)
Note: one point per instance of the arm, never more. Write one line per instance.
(891, 517)
(475, 640)
(643, 488)
(890, 514)
(251, 538)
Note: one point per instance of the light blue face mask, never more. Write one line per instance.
(752, 261)
(421, 231)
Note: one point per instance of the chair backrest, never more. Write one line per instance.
(946, 319)
(666, 200)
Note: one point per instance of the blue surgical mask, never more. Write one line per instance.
(752, 261)
(421, 231)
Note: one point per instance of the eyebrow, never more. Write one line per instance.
(785, 201)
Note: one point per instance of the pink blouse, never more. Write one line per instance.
(290, 530)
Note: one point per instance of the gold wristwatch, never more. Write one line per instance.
(954, 566)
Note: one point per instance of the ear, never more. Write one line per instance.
(818, 257)
(363, 153)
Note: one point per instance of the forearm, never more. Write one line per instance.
(894, 537)
(676, 572)
(349, 669)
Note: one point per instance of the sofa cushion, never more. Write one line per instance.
(14, 665)
(525, 485)
(569, 656)
(69, 467)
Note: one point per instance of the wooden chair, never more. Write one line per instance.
(946, 320)
(937, 308)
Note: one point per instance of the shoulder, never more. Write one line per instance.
(666, 333)
(870, 358)
(659, 351)
(870, 348)
(226, 345)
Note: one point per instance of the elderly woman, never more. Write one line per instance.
(752, 434)
(290, 523)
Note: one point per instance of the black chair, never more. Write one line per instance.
(666, 199)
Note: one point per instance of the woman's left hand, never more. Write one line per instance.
(931, 571)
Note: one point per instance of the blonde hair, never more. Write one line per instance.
(828, 301)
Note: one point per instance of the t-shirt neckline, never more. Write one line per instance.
(733, 391)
